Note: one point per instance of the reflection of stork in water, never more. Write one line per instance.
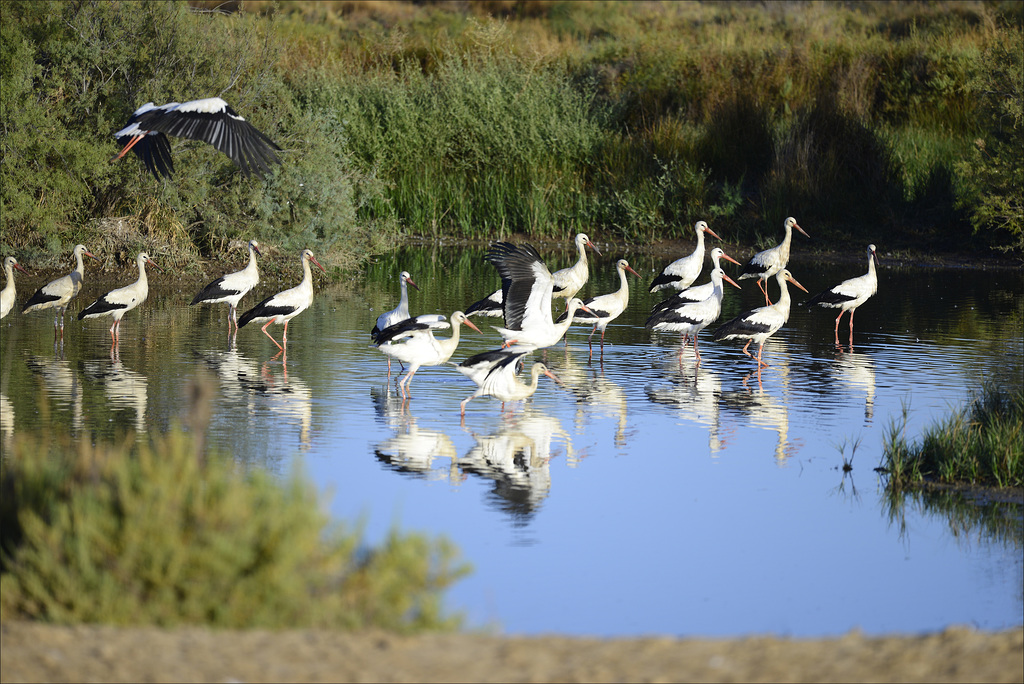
(762, 410)
(517, 458)
(124, 388)
(413, 450)
(858, 372)
(290, 397)
(695, 394)
(602, 397)
(6, 422)
(61, 384)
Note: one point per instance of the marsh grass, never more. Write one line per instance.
(125, 533)
(980, 444)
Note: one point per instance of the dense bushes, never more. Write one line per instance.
(628, 120)
(152, 534)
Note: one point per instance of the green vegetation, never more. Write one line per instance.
(982, 444)
(151, 534)
(872, 122)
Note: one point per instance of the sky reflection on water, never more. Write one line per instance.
(641, 496)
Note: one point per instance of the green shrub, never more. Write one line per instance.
(979, 444)
(150, 534)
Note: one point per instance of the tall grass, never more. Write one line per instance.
(982, 444)
(154, 534)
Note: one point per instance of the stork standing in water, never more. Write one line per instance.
(117, 303)
(695, 293)
(682, 273)
(689, 318)
(764, 265)
(526, 286)
(286, 305)
(604, 309)
(210, 120)
(849, 294)
(398, 314)
(232, 287)
(757, 325)
(567, 282)
(58, 293)
(412, 341)
(7, 296)
(495, 373)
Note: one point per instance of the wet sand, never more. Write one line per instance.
(35, 652)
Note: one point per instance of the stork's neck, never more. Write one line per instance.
(307, 276)
(252, 260)
(9, 271)
(403, 301)
(449, 346)
(623, 283)
(783, 305)
(700, 245)
(142, 272)
(871, 266)
(79, 264)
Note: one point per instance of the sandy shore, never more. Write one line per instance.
(34, 652)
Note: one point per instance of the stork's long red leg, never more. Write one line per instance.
(264, 329)
(127, 147)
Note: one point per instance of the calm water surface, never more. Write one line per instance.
(642, 497)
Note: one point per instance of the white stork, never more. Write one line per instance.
(757, 325)
(849, 294)
(566, 282)
(399, 313)
(58, 293)
(526, 287)
(764, 265)
(569, 281)
(232, 287)
(695, 293)
(604, 309)
(495, 373)
(284, 306)
(689, 318)
(7, 296)
(117, 303)
(211, 120)
(412, 341)
(682, 273)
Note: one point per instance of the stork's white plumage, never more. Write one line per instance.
(117, 303)
(7, 295)
(565, 282)
(211, 120)
(569, 281)
(399, 313)
(58, 293)
(682, 273)
(689, 318)
(849, 294)
(764, 265)
(286, 305)
(495, 373)
(526, 286)
(412, 341)
(757, 325)
(695, 293)
(604, 309)
(232, 287)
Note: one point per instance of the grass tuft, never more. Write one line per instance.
(980, 444)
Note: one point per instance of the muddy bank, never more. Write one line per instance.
(34, 652)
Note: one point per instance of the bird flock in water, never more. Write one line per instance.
(524, 302)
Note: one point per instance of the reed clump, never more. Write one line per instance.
(152, 534)
(979, 444)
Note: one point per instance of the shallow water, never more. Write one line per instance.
(642, 496)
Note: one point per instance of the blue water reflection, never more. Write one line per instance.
(643, 495)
